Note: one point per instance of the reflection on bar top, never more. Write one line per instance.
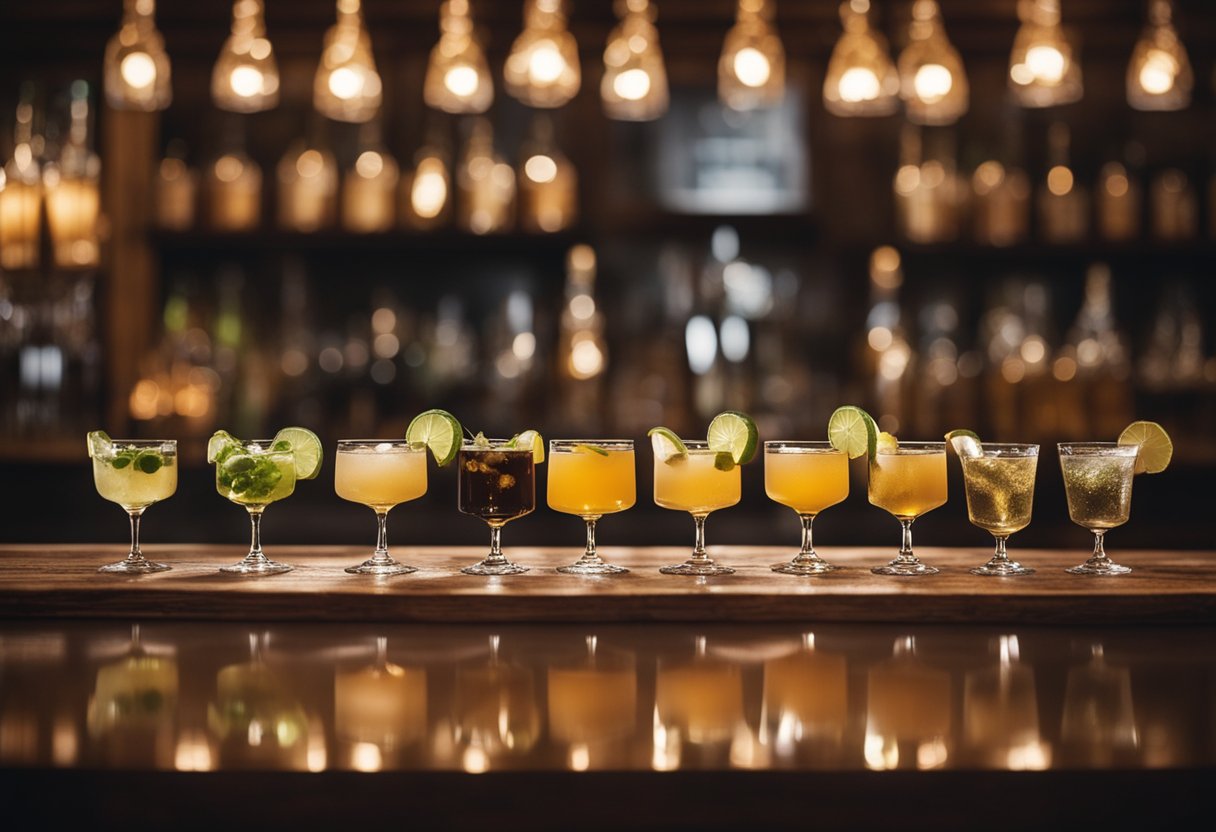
(202, 697)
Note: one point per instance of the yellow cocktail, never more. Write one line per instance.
(808, 477)
(591, 478)
(135, 474)
(699, 482)
(1098, 482)
(908, 481)
(1000, 496)
(380, 474)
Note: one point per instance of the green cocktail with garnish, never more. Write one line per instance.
(256, 473)
(135, 473)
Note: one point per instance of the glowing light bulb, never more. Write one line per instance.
(540, 168)
(1159, 75)
(1158, 72)
(751, 67)
(461, 80)
(933, 82)
(347, 86)
(345, 83)
(859, 84)
(457, 76)
(429, 193)
(1044, 69)
(369, 164)
(1045, 63)
(632, 84)
(546, 64)
(246, 81)
(139, 70)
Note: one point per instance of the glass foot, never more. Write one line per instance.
(486, 568)
(815, 567)
(905, 569)
(1102, 567)
(591, 568)
(134, 567)
(260, 567)
(375, 567)
(699, 569)
(1002, 569)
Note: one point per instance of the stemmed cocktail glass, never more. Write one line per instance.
(696, 482)
(807, 477)
(496, 481)
(591, 478)
(1000, 495)
(1098, 482)
(908, 481)
(135, 473)
(253, 474)
(380, 474)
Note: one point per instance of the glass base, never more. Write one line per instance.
(487, 568)
(905, 569)
(698, 569)
(1101, 567)
(381, 568)
(134, 567)
(1002, 569)
(257, 567)
(794, 567)
(595, 567)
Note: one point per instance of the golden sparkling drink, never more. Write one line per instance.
(380, 476)
(130, 487)
(591, 484)
(1000, 492)
(806, 482)
(908, 483)
(1099, 489)
(693, 484)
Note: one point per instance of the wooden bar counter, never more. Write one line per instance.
(1166, 587)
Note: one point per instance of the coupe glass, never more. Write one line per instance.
(380, 474)
(497, 484)
(254, 477)
(807, 477)
(908, 481)
(591, 478)
(1000, 495)
(1098, 482)
(135, 473)
(694, 484)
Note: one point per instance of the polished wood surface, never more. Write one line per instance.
(61, 580)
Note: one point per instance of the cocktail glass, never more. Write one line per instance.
(1000, 494)
(135, 473)
(498, 484)
(1098, 482)
(908, 481)
(807, 477)
(693, 483)
(591, 478)
(380, 474)
(254, 475)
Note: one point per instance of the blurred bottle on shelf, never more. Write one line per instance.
(73, 196)
(582, 353)
(1000, 204)
(369, 187)
(176, 190)
(1174, 206)
(308, 185)
(548, 182)
(21, 192)
(486, 184)
(927, 190)
(234, 189)
(426, 191)
(1100, 363)
(1063, 200)
(1117, 197)
(886, 353)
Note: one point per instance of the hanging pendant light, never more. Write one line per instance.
(1044, 71)
(246, 76)
(1159, 76)
(136, 64)
(347, 86)
(457, 75)
(635, 80)
(932, 81)
(751, 70)
(542, 69)
(861, 79)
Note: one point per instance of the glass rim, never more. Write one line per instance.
(492, 445)
(1011, 449)
(913, 447)
(143, 443)
(1097, 448)
(697, 446)
(821, 446)
(607, 444)
(396, 443)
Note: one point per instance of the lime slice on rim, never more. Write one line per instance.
(1156, 449)
(852, 430)
(530, 439)
(437, 430)
(305, 448)
(591, 449)
(966, 443)
(667, 447)
(886, 442)
(734, 433)
(219, 440)
(99, 443)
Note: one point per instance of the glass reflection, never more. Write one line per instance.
(805, 704)
(593, 706)
(378, 710)
(1099, 722)
(132, 712)
(698, 709)
(1001, 713)
(908, 712)
(497, 715)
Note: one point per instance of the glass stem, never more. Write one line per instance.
(255, 536)
(496, 555)
(135, 554)
(590, 555)
(806, 555)
(1000, 555)
(381, 556)
(906, 555)
(698, 547)
(1099, 555)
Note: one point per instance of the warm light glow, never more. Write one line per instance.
(345, 83)
(1044, 70)
(751, 67)
(347, 86)
(540, 169)
(245, 78)
(1158, 72)
(1045, 64)
(933, 82)
(457, 75)
(1059, 180)
(861, 79)
(246, 81)
(859, 84)
(632, 85)
(461, 80)
(139, 70)
(369, 164)
(429, 191)
(542, 69)
(546, 64)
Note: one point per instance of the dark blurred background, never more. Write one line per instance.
(1037, 274)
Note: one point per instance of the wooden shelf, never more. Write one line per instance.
(442, 241)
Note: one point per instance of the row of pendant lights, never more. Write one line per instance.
(542, 69)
